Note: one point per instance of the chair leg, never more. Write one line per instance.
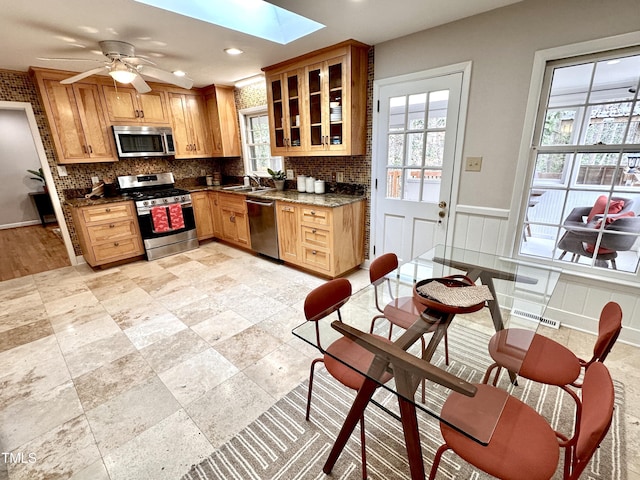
(313, 365)
(436, 460)
(613, 264)
(446, 348)
(487, 374)
(373, 322)
(363, 448)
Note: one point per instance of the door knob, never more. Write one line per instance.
(442, 204)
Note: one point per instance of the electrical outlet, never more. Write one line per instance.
(62, 171)
(95, 180)
(290, 174)
(203, 172)
(473, 164)
(339, 177)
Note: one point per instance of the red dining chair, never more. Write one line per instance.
(547, 361)
(401, 311)
(319, 303)
(523, 445)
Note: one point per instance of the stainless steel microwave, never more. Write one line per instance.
(138, 141)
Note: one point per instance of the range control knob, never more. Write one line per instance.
(165, 200)
(145, 203)
(176, 199)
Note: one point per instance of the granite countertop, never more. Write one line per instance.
(330, 200)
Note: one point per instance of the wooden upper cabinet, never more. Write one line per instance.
(80, 131)
(191, 131)
(286, 117)
(223, 119)
(318, 102)
(126, 105)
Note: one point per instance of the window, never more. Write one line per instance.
(255, 142)
(584, 194)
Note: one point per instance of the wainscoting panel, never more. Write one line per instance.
(576, 301)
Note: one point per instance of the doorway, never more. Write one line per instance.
(50, 248)
(418, 133)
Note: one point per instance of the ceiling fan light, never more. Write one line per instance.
(120, 73)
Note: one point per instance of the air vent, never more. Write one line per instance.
(531, 316)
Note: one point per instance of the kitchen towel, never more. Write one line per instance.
(175, 216)
(159, 219)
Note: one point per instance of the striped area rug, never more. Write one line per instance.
(281, 445)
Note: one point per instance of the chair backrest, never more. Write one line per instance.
(326, 299)
(598, 399)
(608, 330)
(381, 266)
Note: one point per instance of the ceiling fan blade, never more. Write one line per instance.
(140, 85)
(70, 59)
(165, 76)
(86, 74)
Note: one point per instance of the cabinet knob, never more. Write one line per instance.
(116, 244)
(111, 225)
(313, 252)
(107, 210)
(141, 113)
(313, 212)
(313, 231)
(90, 149)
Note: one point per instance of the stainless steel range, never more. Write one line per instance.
(165, 213)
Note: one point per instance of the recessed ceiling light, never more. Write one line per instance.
(233, 51)
(179, 73)
(254, 17)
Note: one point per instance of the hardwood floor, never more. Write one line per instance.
(28, 250)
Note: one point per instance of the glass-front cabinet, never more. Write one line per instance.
(327, 95)
(317, 102)
(283, 93)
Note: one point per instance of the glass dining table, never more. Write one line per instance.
(519, 295)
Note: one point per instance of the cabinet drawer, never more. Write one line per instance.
(104, 213)
(315, 237)
(115, 250)
(316, 258)
(112, 231)
(233, 202)
(316, 216)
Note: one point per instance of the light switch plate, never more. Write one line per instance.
(62, 171)
(339, 177)
(473, 164)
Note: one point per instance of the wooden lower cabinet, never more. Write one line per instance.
(108, 233)
(203, 213)
(234, 219)
(329, 241)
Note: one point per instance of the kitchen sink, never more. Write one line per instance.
(252, 190)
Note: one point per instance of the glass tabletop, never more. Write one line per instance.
(521, 293)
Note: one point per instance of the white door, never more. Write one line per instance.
(413, 166)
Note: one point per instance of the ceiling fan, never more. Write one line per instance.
(125, 67)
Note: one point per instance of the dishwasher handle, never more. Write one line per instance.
(253, 202)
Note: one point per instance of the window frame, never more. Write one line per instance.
(244, 116)
(536, 106)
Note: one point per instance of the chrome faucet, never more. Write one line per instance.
(256, 179)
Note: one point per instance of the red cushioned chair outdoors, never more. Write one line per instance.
(319, 303)
(402, 311)
(580, 237)
(523, 445)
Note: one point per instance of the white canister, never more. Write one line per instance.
(319, 186)
(302, 185)
(310, 184)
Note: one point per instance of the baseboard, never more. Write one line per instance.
(28, 223)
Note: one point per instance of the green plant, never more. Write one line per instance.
(37, 175)
(279, 175)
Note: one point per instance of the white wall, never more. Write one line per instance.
(501, 45)
(17, 154)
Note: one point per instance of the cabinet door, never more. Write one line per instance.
(121, 104)
(96, 132)
(285, 97)
(66, 121)
(327, 93)
(216, 214)
(242, 229)
(153, 106)
(180, 124)
(288, 232)
(200, 131)
(203, 214)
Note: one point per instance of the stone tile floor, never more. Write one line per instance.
(142, 370)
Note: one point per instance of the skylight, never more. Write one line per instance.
(254, 17)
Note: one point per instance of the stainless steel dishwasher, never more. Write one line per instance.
(263, 227)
